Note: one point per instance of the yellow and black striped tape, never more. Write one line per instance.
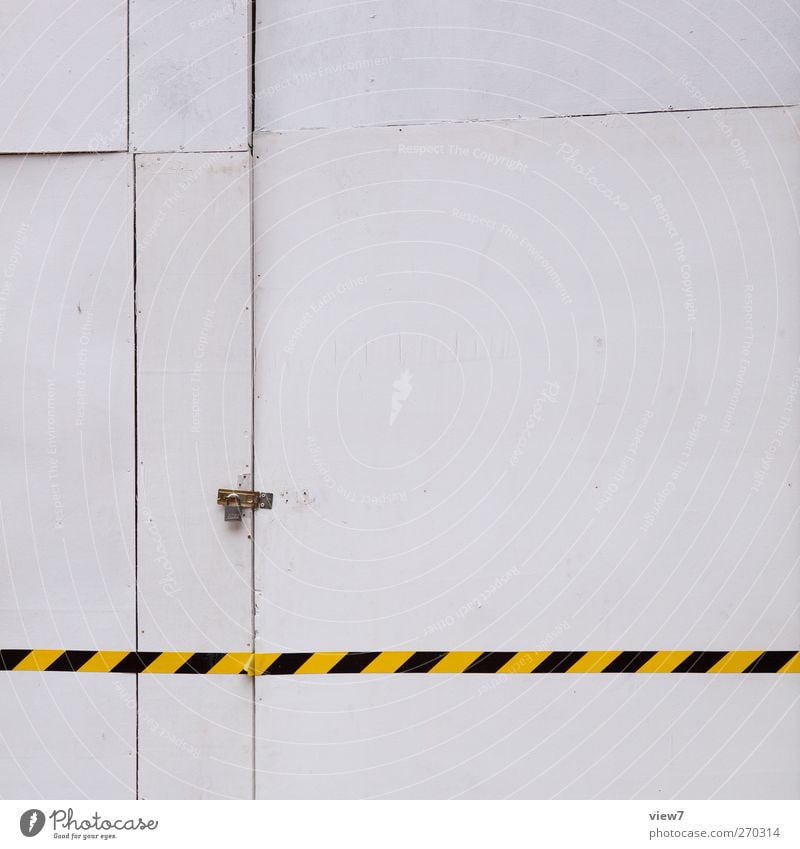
(390, 662)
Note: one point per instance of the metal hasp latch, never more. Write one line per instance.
(236, 500)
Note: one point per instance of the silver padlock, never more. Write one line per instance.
(233, 508)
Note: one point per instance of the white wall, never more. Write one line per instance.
(189, 75)
(406, 216)
(546, 322)
(194, 412)
(67, 565)
(63, 84)
(324, 64)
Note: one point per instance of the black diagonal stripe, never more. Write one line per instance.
(287, 663)
(559, 661)
(771, 661)
(490, 661)
(422, 661)
(629, 661)
(700, 661)
(136, 661)
(200, 663)
(9, 658)
(70, 661)
(353, 661)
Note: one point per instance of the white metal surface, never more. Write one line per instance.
(578, 737)
(63, 83)
(67, 485)
(195, 737)
(520, 385)
(323, 64)
(501, 401)
(194, 414)
(189, 75)
(68, 737)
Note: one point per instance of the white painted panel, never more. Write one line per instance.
(189, 75)
(323, 64)
(67, 736)
(578, 737)
(194, 419)
(525, 385)
(63, 84)
(66, 367)
(196, 737)
(67, 487)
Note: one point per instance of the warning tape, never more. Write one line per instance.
(390, 662)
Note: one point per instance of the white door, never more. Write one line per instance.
(523, 386)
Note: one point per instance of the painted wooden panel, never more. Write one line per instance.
(63, 84)
(190, 75)
(67, 455)
(194, 427)
(68, 736)
(476, 737)
(195, 737)
(524, 385)
(322, 64)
